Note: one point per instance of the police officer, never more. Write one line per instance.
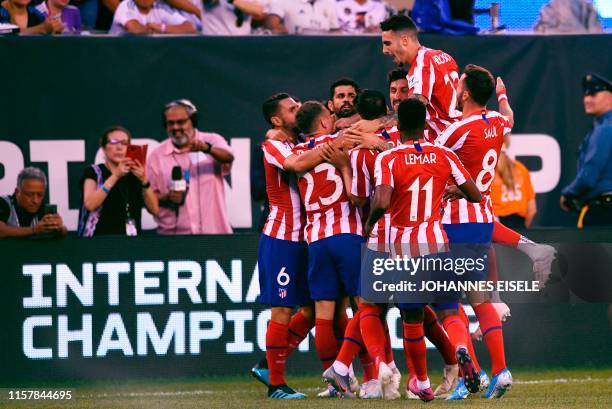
(590, 192)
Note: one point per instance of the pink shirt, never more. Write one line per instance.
(204, 211)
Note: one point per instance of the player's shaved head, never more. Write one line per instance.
(308, 115)
(411, 118)
(479, 83)
(371, 104)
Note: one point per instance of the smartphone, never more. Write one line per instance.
(137, 153)
(50, 209)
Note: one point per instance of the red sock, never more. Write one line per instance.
(436, 334)
(299, 327)
(388, 350)
(276, 351)
(372, 333)
(353, 343)
(325, 342)
(492, 334)
(470, 344)
(415, 341)
(340, 324)
(456, 331)
(409, 364)
(493, 274)
(367, 365)
(504, 235)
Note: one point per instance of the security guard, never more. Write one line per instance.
(590, 192)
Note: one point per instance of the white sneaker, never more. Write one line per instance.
(542, 256)
(370, 390)
(396, 379)
(449, 381)
(410, 395)
(385, 377)
(330, 392)
(503, 311)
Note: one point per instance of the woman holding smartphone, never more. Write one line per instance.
(114, 192)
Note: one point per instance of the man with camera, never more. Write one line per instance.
(22, 214)
(186, 171)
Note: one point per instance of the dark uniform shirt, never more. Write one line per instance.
(594, 176)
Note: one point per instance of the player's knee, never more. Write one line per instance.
(412, 315)
(281, 315)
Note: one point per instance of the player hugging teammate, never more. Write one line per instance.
(331, 189)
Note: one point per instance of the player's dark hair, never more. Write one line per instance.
(114, 128)
(479, 83)
(396, 74)
(411, 116)
(269, 107)
(340, 82)
(307, 116)
(371, 104)
(399, 22)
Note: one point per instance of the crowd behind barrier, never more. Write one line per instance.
(245, 17)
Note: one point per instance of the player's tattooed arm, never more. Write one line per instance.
(380, 204)
(305, 161)
(374, 125)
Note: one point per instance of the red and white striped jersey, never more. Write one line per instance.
(286, 219)
(435, 75)
(418, 174)
(477, 141)
(328, 209)
(362, 163)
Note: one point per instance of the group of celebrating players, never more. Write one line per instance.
(405, 184)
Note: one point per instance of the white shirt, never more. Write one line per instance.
(221, 20)
(355, 18)
(304, 17)
(159, 14)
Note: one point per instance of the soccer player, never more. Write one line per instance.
(477, 140)
(432, 76)
(333, 230)
(342, 95)
(282, 255)
(410, 182)
(398, 87)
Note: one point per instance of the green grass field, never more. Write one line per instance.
(533, 389)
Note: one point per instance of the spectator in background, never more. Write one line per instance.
(568, 16)
(512, 194)
(114, 192)
(302, 16)
(590, 192)
(28, 19)
(361, 16)
(70, 15)
(22, 213)
(149, 17)
(342, 95)
(202, 159)
(221, 17)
